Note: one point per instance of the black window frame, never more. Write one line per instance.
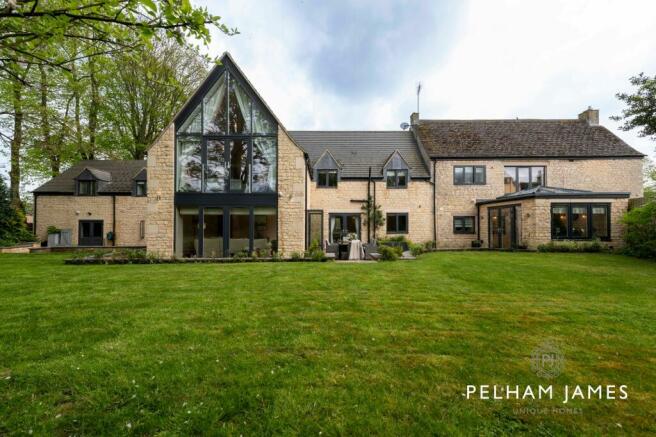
(588, 206)
(94, 187)
(530, 175)
(462, 217)
(136, 188)
(327, 183)
(395, 216)
(473, 172)
(397, 172)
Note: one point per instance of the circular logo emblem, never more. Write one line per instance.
(547, 361)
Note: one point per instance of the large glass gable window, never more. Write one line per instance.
(227, 143)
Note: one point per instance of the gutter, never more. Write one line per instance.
(34, 215)
(435, 204)
(305, 190)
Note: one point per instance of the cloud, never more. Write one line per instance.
(354, 65)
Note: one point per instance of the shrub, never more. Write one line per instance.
(416, 249)
(296, 256)
(276, 256)
(53, 230)
(318, 255)
(640, 234)
(241, 255)
(572, 246)
(428, 246)
(388, 253)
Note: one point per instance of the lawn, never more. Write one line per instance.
(330, 349)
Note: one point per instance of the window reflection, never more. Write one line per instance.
(215, 171)
(189, 164)
(264, 165)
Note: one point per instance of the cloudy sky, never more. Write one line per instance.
(355, 64)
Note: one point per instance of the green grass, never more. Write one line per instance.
(336, 349)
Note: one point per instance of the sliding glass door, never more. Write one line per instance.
(505, 227)
(217, 232)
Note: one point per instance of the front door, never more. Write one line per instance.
(91, 233)
(504, 231)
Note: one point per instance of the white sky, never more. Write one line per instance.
(343, 64)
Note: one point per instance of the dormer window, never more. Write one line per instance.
(397, 178)
(327, 178)
(140, 188)
(396, 171)
(87, 188)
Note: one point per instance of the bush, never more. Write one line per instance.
(416, 249)
(428, 246)
(572, 246)
(640, 234)
(318, 255)
(277, 256)
(53, 230)
(296, 256)
(389, 253)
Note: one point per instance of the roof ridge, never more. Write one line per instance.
(499, 119)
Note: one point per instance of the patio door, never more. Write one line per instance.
(505, 227)
(90, 233)
(315, 227)
(342, 225)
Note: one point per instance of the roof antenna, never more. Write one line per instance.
(418, 92)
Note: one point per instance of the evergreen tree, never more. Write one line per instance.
(12, 221)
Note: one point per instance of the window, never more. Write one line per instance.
(327, 178)
(580, 221)
(397, 178)
(469, 175)
(397, 223)
(522, 178)
(86, 188)
(227, 143)
(463, 225)
(140, 188)
(142, 229)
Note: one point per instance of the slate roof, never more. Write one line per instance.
(570, 138)
(356, 151)
(121, 174)
(554, 192)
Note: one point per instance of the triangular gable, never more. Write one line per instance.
(92, 174)
(395, 162)
(326, 162)
(141, 175)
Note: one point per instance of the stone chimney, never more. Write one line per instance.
(414, 119)
(591, 116)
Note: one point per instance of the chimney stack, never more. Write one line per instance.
(414, 119)
(591, 116)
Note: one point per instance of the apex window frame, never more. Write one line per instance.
(474, 169)
(393, 217)
(396, 175)
(589, 207)
(464, 230)
(326, 173)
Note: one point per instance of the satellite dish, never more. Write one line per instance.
(405, 125)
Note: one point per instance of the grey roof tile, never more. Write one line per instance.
(121, 175)
(356, 151)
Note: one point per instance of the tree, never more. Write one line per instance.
(12, 221)
(641, 107)
(31, 31)
(143, 91)
(373, 214)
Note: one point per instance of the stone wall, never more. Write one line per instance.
(65, 212)
(349, 195)
(536, 219)
(291, 195)
(161, 186)
(585, 174)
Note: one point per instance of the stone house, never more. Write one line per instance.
(226, 177)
